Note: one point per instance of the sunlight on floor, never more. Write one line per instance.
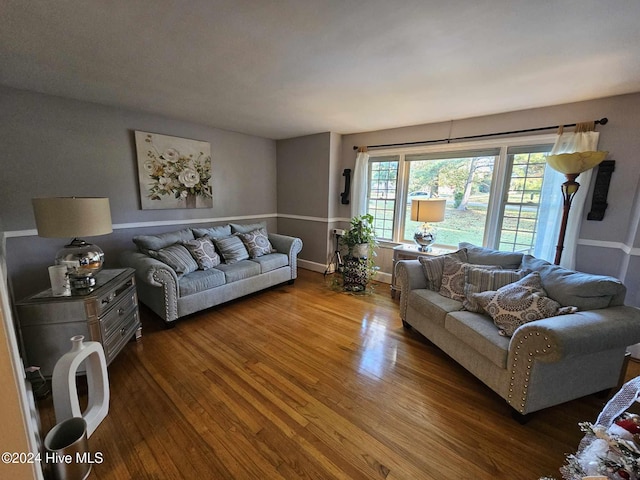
(376, 355)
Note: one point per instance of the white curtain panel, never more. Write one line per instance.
(551, 202)
(359, 185)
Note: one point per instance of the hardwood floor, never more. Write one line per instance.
(304, 382)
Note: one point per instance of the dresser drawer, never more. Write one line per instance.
(110, 322)
(109, 300)
(121, 335)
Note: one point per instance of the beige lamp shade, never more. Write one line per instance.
(575, 163)
(66, 217)
(428, 209)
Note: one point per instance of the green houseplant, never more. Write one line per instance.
(360, 239)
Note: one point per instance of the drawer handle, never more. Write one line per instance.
(108, 299)
(121, 311)
(123, 330)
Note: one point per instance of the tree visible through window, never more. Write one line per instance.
(470, 181)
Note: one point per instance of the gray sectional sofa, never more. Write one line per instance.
(182, 272)
(532, 364)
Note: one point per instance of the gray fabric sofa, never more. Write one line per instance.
(172, 292)
(545, 362)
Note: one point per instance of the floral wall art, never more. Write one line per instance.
(173, 172)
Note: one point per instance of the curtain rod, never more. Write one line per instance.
(602, 121)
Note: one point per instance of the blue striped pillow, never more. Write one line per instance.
(232, 249)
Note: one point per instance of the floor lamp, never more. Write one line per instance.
(572, 165)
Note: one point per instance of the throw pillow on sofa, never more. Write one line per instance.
(231, 248)
(453, 278)
(203, 252)
(257, 242)
(478, 280)
(518, 303)
(177, 257)
(432, 267)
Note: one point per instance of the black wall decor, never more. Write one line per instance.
(344, 196)
(601, 190)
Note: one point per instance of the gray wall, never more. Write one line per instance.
(305, 192)
(58, 147)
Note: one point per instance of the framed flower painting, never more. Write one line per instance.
(173, 172)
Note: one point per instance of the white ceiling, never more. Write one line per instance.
(285, 68)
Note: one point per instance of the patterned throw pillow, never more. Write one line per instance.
(518, 303)
(257, 242)
(204, 253)
(432, 267)
(478, 280)
(231, 248)
(177, 257)
(453, 278)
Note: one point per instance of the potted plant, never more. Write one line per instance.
(360, 238)
(359, 267)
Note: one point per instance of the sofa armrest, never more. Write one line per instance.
(290, 246)
(410, 277)
(587, 338)
(150, 274)
(583, 332)
(149, 270)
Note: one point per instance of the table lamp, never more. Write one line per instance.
(426, 210)
(572, 165)
(72, 217)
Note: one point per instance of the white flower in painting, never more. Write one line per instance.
(165, 182)
(149, 166)
(183, 194)
(171, 155)
(189, 177)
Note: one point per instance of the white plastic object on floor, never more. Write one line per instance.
(65, 390)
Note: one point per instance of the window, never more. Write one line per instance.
(492, 192)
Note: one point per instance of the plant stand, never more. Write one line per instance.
(356, 274)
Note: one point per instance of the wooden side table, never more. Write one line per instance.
(107, 313)
(411, 252)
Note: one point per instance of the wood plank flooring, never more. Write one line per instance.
(305, 382)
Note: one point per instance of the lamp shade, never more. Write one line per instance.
(428, 209)
(575, 163)
(65, 217)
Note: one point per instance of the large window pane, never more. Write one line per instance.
(465, 183)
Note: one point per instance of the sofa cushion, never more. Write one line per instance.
(518, 303)
(433, 266)
(200, 280)
(479, 333)
(162, 240)
(231, 248)
(478, 279)
(203, 252)
(213, 232)
(177, 257)
(489, 256)
(256, 242)
(246, 228)
(453, 278)
(432, 305)
(583, 290)
(239, 270)
(271, 261)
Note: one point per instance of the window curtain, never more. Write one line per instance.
(360, 183)
(550, 216)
